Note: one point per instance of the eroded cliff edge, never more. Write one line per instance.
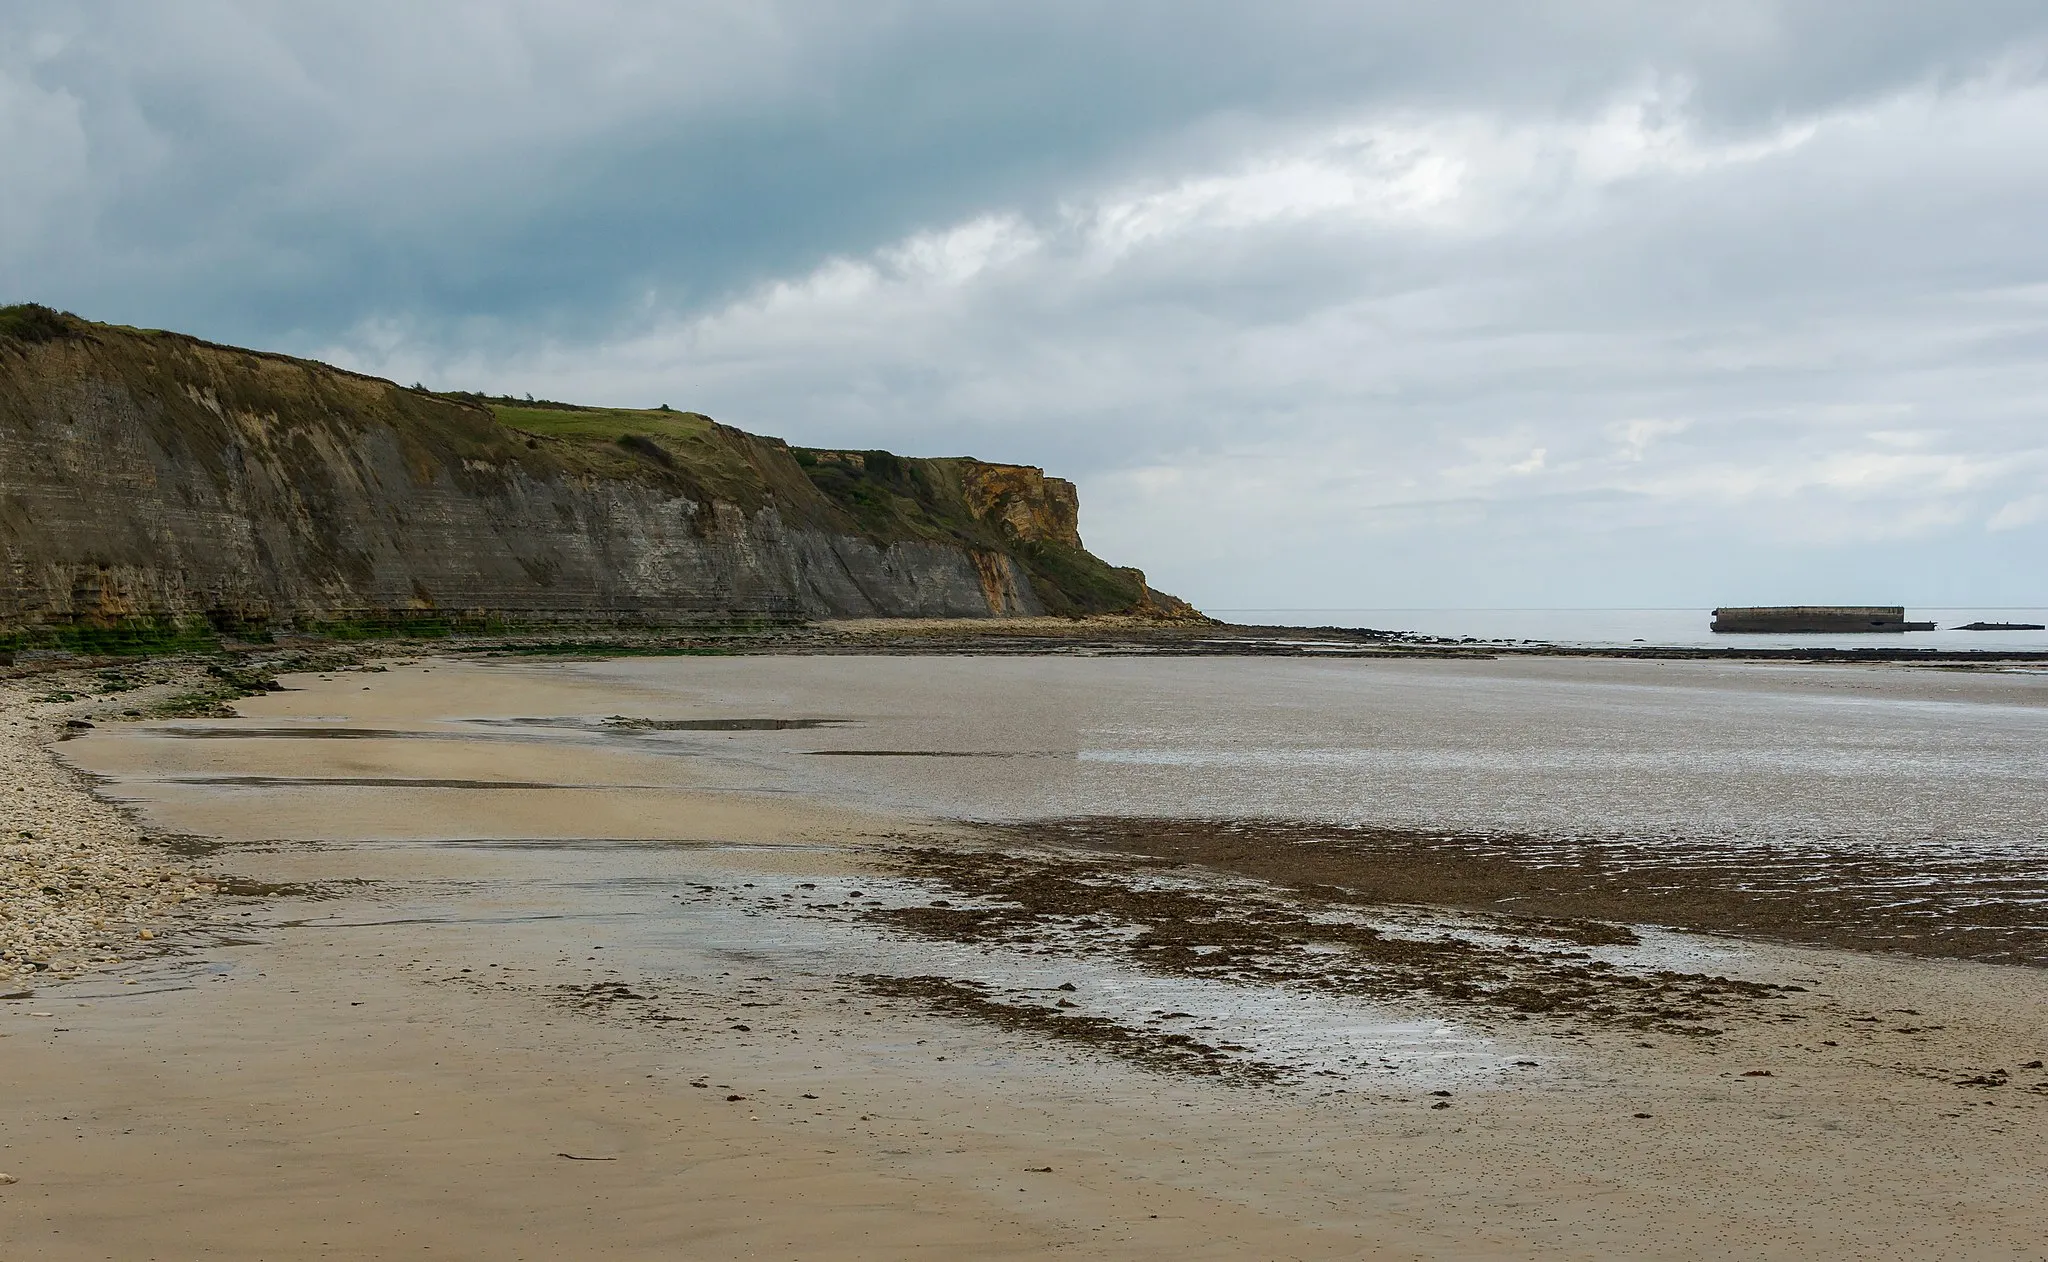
(149, 476)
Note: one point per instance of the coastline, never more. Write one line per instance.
(1125, 634)
(397, 1047)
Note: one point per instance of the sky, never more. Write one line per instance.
(1322, 305)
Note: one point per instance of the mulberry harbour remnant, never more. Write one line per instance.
(1816, 619)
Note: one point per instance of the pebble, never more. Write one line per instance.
(76, 877)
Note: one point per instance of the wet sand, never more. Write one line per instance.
(480, 1032)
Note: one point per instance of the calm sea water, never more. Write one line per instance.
(1565, 747)
(1753, 752)
(1666, 627)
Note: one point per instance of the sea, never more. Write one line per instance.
(1669, 628)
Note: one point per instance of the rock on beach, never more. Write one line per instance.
(78, 884)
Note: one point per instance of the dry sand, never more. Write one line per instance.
(421, 1062)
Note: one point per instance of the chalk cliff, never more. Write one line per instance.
(151, 476)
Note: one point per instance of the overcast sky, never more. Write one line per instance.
(1323, 305)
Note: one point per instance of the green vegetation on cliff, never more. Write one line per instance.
(33, 322)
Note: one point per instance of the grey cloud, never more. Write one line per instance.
(309, 165)
(1572, 303)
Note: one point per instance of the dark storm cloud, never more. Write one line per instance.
(1417, 300)
(264, 166)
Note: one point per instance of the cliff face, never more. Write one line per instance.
(1029, 505)
(152, 476)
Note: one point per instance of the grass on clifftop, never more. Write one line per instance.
(715, 461)
(605, 424)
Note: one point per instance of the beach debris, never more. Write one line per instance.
(7, 1178)
(732, 1098)
(1756, 1073)
(1038, 1169)
(573, 1157)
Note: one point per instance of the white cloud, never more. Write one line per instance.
(961, 253)
(1633, 437)
(2019, 512)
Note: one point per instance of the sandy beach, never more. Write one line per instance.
(510, 958)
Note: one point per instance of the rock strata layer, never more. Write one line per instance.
(151, 476)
